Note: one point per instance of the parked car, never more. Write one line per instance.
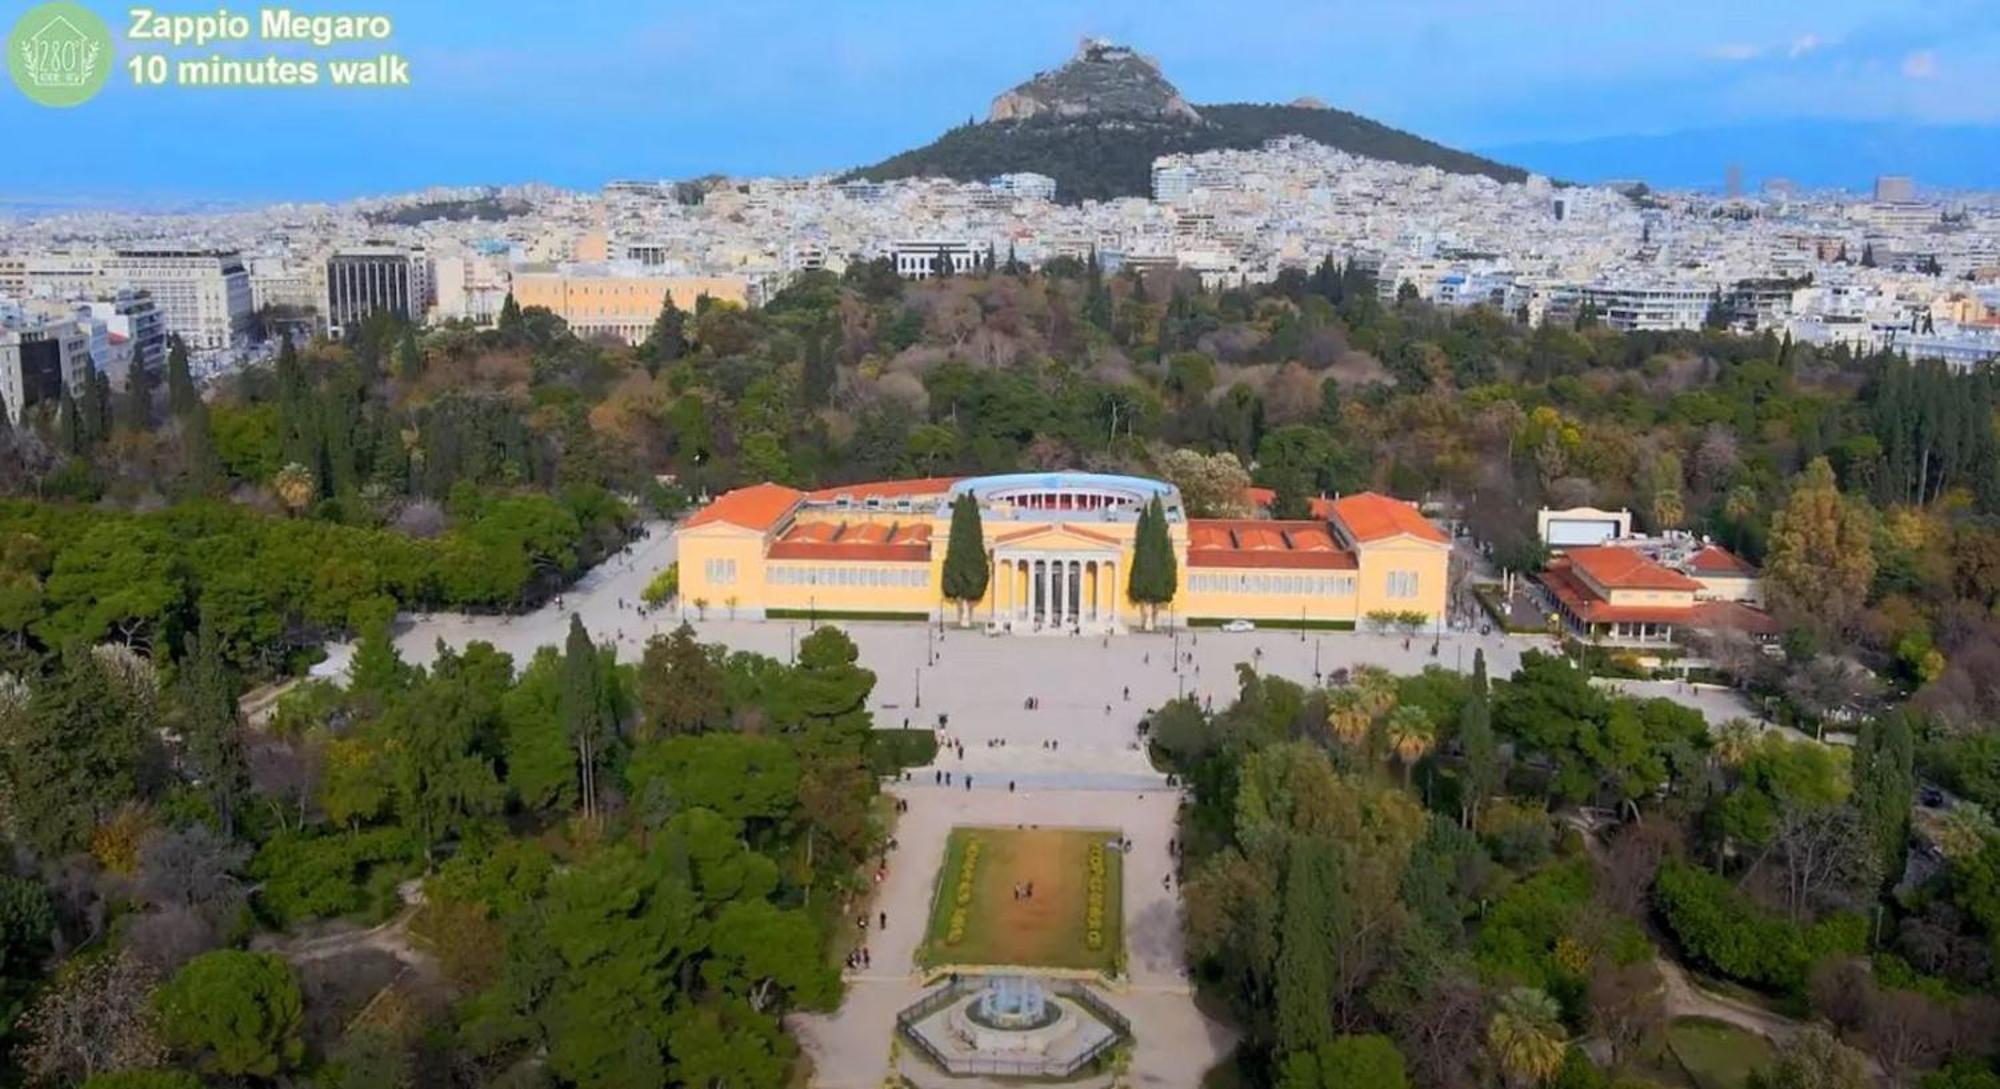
(1239, 626)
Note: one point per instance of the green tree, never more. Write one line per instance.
(409, 357)
(239, 1014)
(1526, 1037)
(680, 686)
(78, 751)
(586, 709)
(1484, 775)
(211, 733)
(966, 570)
(541, 764)
(443, 780)
(203, 463)
(1347, 1062)
(1822, 555)
(181, 394)
(1155, 573)
(510, 324)
(666, 342)
(378, 670)
(1885, 786)
(741, 777)
(1304, 1016)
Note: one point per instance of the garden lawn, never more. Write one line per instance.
(981, 922)
(1715, 1055)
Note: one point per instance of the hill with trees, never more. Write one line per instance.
(1096, 124)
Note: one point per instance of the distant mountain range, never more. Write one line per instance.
(1096, 124)
(1812, 154)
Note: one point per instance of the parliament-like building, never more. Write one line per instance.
(1060, 549)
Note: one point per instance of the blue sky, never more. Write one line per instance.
(577, 92)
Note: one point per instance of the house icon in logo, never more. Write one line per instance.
(59, 53)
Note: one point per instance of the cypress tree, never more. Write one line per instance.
(1475, 741)
(69, 423)
(1304, 976)
(409, 358)
(214, 742)
(966, 572)
(1886, 786)
(137, 403)
(181, 394)
(204, 463)
(667, 341)
(510, 317)
(584, 708)
(1154, 569)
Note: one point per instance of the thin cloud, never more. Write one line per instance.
(1734, 51)
(1921, 64)
(1803, 44)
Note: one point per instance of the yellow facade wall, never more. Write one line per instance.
(624, 306)
(1401, 574)
(1383, 566)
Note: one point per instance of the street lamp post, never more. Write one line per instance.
(1315, 659)
(918, 673)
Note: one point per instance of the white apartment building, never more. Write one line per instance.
(1654, 308)
(204, 295)
(1026, 185)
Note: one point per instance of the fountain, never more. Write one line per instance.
(1012, 1025)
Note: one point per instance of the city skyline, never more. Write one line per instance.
(769, 89)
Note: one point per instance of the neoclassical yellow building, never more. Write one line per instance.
(1060, 548)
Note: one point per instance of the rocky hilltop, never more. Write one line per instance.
(1096, 124)
(1103, 80)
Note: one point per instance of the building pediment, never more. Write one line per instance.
(1060, 536)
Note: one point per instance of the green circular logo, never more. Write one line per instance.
(59, 54)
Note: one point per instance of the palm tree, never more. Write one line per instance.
(1734, 740)
(1526, 1036)
(1411, 735)
(295, 486)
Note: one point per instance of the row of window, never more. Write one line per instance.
(1337, 585)
(719, 572)
(1402, 584)
(850, 576)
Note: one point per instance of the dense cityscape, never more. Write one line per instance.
(1352, 615)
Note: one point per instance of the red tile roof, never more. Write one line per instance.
(1581, 602)
(1617, 568)
(1369, 516)
(759, 507)
(848, 542)
(1717, 561)
(1246, 542)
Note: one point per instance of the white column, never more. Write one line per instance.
(1073, 589)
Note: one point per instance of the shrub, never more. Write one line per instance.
(1722, 929)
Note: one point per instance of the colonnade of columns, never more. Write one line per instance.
(1054, 591)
